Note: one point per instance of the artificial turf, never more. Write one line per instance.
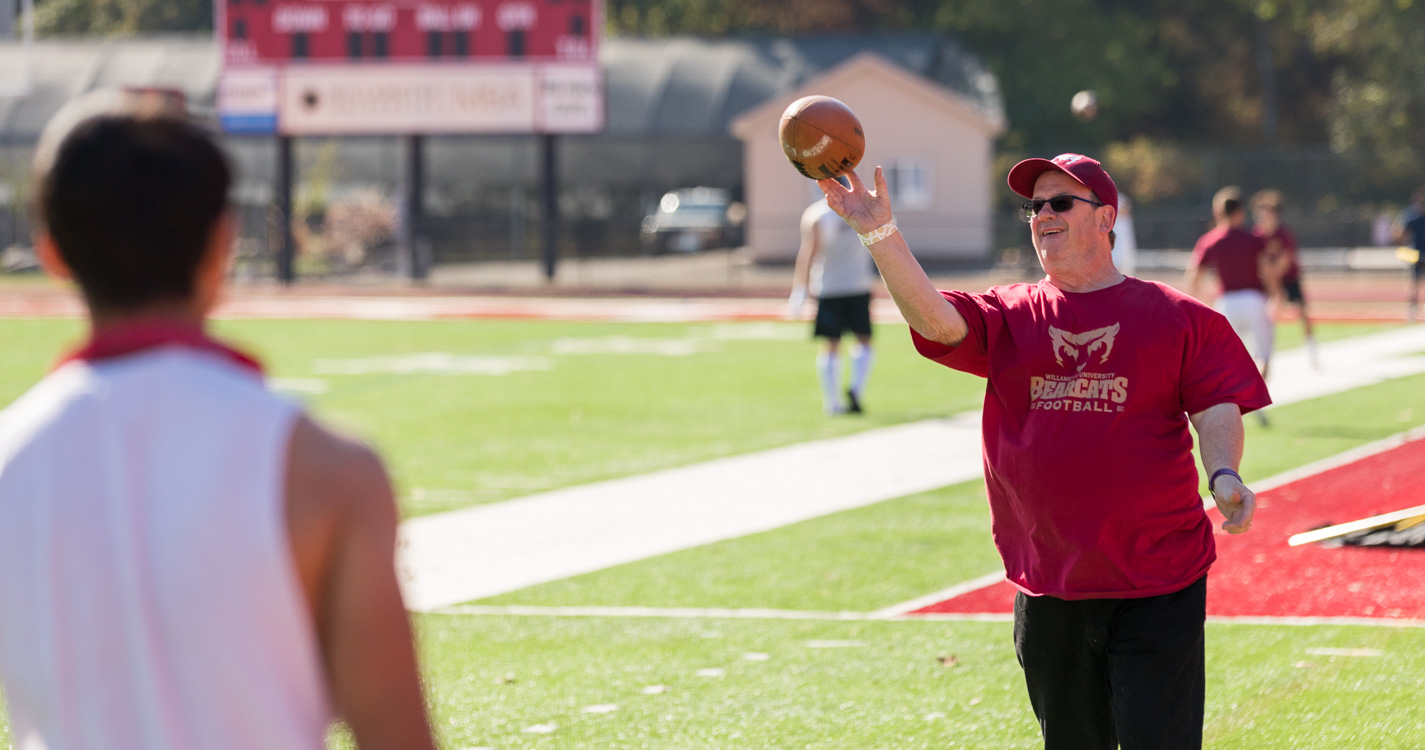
(873, 684)
(873, 557)
(455, 440)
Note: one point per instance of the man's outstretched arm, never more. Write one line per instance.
(922, 305)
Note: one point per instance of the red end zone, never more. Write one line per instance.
(1258, 575)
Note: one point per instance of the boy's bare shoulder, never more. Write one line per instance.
(330, 471)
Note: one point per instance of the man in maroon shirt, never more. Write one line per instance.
(1246, 266)
(1092, 381)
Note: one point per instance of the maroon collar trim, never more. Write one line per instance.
(139, 336)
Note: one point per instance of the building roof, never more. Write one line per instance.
(679, 87)
(872, 64)
(697, 87)
(64, 68)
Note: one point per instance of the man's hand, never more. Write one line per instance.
(1236, 503)
(863, 209)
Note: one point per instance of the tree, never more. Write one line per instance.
(122, 17)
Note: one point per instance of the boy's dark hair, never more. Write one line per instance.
(130, 196)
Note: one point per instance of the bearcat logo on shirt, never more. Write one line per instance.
(1080, 391)
(1074, 344)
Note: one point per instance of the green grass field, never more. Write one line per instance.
(597, 401)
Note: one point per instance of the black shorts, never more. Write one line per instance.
(1291, 288)
(837, 314)
(1418, 270)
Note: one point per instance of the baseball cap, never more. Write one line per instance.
(1085, 171)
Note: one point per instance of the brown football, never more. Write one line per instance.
(821, 137)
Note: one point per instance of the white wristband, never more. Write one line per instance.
(879, 233)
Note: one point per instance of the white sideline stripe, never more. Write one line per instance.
(473, 553)
(1340, 459)
(959, 589)
(692, 613)
(677, 613)
(462, 555)
(1330, 462)
(1381, 622)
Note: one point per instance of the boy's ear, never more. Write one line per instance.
(50, 259)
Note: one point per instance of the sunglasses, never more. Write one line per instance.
(1060, 204)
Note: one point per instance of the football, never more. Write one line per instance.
(821, 137)
(1084, 105)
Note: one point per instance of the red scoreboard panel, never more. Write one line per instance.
(308, 67)
(268, 32)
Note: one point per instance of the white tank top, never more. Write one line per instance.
(843, 267)
(148, 595)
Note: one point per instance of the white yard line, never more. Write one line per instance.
(478, 552)
(959, 589)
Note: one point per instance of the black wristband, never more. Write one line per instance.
(1219, 473)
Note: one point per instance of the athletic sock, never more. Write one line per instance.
(861, 358)
(1311, 353)
(828, 369)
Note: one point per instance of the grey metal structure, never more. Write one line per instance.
(670, 102)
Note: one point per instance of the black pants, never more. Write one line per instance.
(1104, 673)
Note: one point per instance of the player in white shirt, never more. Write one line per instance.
(186, 559)
(834, 267)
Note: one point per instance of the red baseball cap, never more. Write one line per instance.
(1085, 171)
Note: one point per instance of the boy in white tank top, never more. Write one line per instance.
(186, 560)
(833, 265)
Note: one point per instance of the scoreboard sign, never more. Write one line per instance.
(307, 67)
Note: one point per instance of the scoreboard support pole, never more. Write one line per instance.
(417, 265)
(551, 206)
(287, 246)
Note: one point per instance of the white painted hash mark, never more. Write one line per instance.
(1345, 652)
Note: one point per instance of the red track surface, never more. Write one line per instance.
(1258, 575)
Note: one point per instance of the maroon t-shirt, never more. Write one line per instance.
(1092, 486)
(1234, 254)
(1288, 243)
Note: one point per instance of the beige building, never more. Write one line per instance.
(935, 145)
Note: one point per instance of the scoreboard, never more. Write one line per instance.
(410, 66)
(285, 31)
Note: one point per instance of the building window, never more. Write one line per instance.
(353, 44)
(299, 45)
(514, 45)
(379, 44)
(576, 25)
(434, 44)
(911, 182)
(240, 29)
(462, 44)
